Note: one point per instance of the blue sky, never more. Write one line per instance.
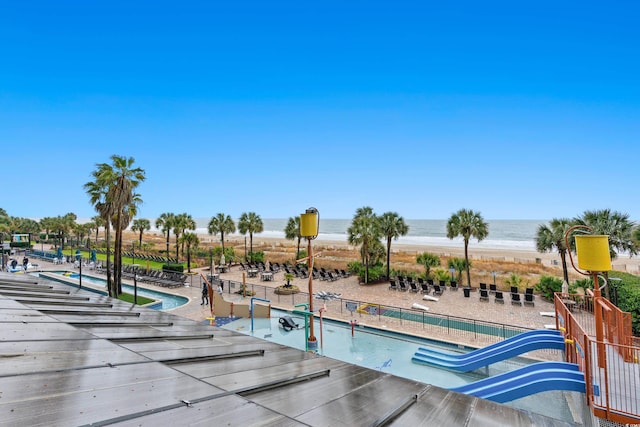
(516, 110)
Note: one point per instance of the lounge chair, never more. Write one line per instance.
(515, 299)
(437, 290)
(443, 285)
(393, 285)
(414, 287)
(529, 297)
(484, 295)
(514, 290)
(483, 286)
(492, 288)
(453, 285)
(403, 286)
(424, 287)
(499, 297)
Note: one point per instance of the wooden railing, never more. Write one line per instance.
(611, 367)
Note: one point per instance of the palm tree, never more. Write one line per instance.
(550, 237)
(182, 222)
(222, 224)
(428, 260)
(192, 241)
(363, 231)
(459, 265)
(392, 226)
(617, 226)
(99, 222)
(467, 223)
(250, 223)
(141, 225)
(292, 231)
(614, 224)
(98, 197)
(117, 182)
(165, 223)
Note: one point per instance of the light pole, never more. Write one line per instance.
(452, 270)
(494, 278)
(135, 289)
(309, 225)
(79, 258)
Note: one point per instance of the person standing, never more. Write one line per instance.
(25, 263)
(205, 294)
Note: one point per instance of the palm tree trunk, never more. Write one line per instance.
(298, 250)
(222, 241)
(251, 245)
(565, 271)
(117, 256)
(111, 288)
(388, 257)
(466, 258)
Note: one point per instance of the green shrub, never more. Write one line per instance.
(173, 267)
(547, 286)
(376, 271)
(255, 256)
(628, 297)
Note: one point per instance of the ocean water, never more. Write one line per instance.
(503, 234)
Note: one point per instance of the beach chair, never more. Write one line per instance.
(529, 297)
(515, 299)
(492, 288)
(424, 287)
(414, 287)
(437, 290)
(403, 286)
(453, 285)
(484, 295)
(393, 285)
(499, 298)
(443, 285)
(483, 286)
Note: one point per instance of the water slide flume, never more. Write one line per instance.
(511, 347)
(531, 379)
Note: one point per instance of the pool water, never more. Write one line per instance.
(166, 301)
(391, 353)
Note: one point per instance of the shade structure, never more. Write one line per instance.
(593, 252)
(309, 224)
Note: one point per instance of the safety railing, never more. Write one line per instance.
(611, 366)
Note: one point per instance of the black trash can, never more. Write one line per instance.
(467, 292)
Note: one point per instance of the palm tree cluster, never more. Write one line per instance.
(114, 197)
(624, 234)
(367, 229)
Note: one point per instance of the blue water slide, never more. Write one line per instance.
(476, 359)
(531, 379)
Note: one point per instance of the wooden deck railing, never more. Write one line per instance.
(612, 366)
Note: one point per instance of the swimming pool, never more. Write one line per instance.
(166, 301)
(391, 352)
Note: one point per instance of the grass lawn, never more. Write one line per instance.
(129, 298)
